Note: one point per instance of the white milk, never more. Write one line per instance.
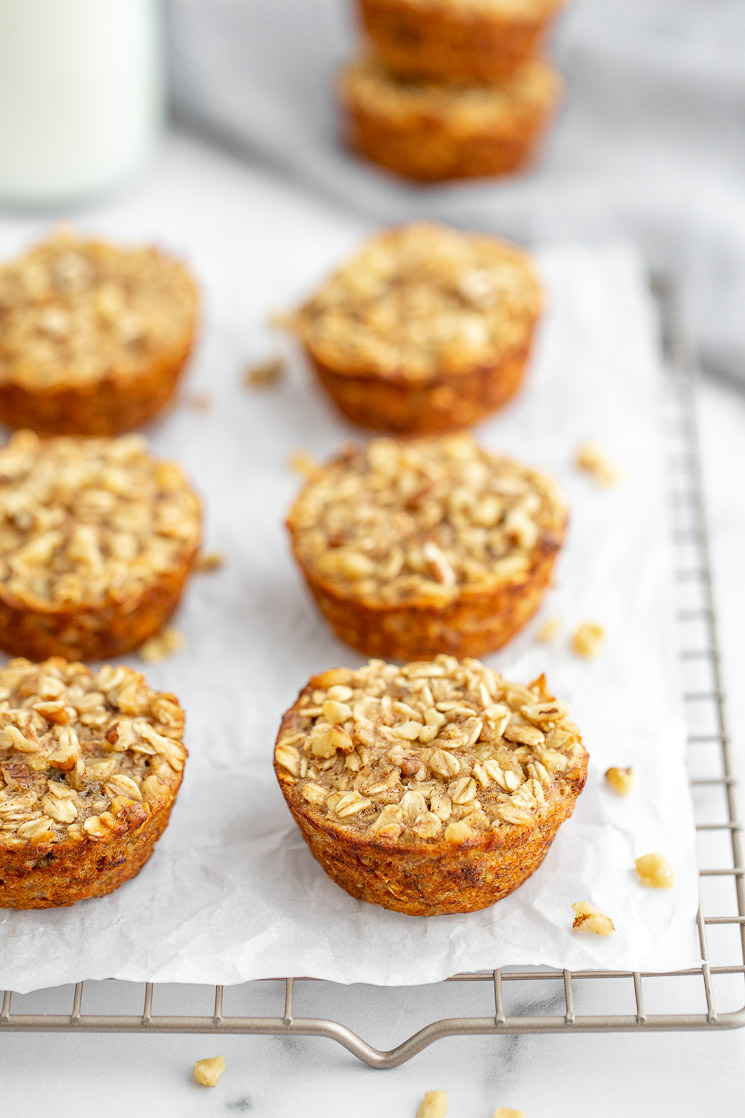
(81, 96)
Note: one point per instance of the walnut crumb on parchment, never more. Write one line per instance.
(592, 460)
(434, 1105)
(207, 1072)
(264, 374)
(588, 919)
(164, 644)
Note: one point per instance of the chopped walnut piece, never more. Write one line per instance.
(590, 458)
(435, 1104)
(655, 871)
(313, 793)
(265, 373)
(548, 631)
(621, 780)
(438, 563)
(587, 638)
(199, 401)
(161, 646)
(588, 919)
(301, 462)
(207, 1072)
(459, 831)
(208, 561)
(15, 776)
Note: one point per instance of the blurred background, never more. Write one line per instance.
(648, 144)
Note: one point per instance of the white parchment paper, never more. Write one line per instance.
(232, 892)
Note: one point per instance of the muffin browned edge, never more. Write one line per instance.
(427, 877)
(58, 874)
(110, 405)
(477, 622)
(93, 630)
(452, 44)
(426, 150)
(396, 404)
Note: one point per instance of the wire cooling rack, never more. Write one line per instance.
(538, 1000)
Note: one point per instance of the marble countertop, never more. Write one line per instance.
(616, 1075)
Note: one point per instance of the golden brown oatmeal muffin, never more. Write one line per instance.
(89, 770)
(432, 788)
(96, 541)
(456, 40)
(433, 132)
(93, 337)
(425, 330)
(436, 545)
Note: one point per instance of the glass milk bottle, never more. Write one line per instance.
(81, 96)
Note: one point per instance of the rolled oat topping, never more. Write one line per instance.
(83, 520)
(83, 755)
(421, 300)
(72, 310)
(436, 749)
(405, 520)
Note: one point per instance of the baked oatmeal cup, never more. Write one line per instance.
(431, 132)
(457, 40)
(97, 539)
(436, 787)
(93, 337)
(90, 766)
(425, 330)
(433, 545)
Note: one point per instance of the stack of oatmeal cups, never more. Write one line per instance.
(451, 89)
